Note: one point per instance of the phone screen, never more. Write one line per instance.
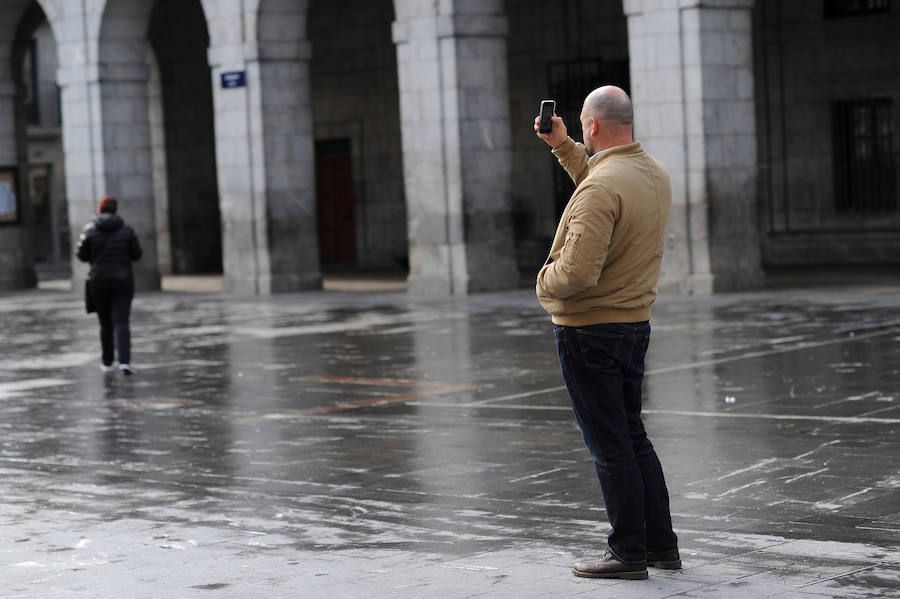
(546, 124)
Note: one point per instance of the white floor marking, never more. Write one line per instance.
(797, 417)
(691, 365)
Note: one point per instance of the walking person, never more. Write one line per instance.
(111, 246)
(598, 285)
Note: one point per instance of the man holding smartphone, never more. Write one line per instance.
(598, 284)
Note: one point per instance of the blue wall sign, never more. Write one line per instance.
(234, 79)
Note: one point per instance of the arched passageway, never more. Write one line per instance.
(182, 134)
(157, 133)
(35, 64)
(30, 152)
(361, 206)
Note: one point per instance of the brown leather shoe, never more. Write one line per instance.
(664, 560)
(607, 566)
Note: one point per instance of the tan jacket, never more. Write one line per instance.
(605, 260)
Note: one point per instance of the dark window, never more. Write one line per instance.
(865, 179)
(849, 8)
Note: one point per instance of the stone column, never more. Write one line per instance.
(454, 108)
(160, 174)
(80, 107)
(693, 89)
(80, 111)
(264, 153)
(128, 158)
(283, 97)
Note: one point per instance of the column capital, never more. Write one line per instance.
(238, 55)
(748, 4)
(132, 72)
(227, 55)
(77, 74)
(280, 51)
(450, 26)
(633, 8)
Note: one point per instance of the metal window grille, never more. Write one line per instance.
(569, 82)
(848, 8)
(865, 177)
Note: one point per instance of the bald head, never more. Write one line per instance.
(610, 104)
(606, 119)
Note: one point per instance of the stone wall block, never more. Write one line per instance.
(422, 75)
(666, 50)
(660, 22)
(715, 21)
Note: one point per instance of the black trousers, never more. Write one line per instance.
(603, 366)
(113, 301)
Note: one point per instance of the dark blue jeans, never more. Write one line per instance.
(603, 367)
(113, 301)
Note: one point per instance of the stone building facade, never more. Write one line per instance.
(271, 139)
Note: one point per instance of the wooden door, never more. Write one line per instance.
(334, 200)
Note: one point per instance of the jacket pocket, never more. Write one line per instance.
(574, 233)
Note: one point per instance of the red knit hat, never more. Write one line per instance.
(108, 205)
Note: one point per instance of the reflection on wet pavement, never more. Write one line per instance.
(341, 445)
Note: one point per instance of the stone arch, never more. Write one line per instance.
(174, 210)
(125, 157)
(31, 19)
(123, 33)
(35, 62)
(449, 60)
(18, 21)
(183, 139)
(303, 96)
(17, 16)
(279, 26)
(361, 204)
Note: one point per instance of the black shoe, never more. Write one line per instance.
(664, 560)
(607, 566)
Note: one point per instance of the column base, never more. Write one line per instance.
(432, 286)
(270, 284)
(147, 281)
(24, 278)
(286, 283)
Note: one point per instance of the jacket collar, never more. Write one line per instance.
(632, 148)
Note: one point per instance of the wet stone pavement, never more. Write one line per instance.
(335, 445)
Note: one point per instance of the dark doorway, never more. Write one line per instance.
(42, 176)
(335, 203)
(355, 96)
(180, 40)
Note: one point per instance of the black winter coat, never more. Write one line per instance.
(110, 246)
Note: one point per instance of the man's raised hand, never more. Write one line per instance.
(558, 133)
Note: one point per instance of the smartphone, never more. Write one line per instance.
(548, 107)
